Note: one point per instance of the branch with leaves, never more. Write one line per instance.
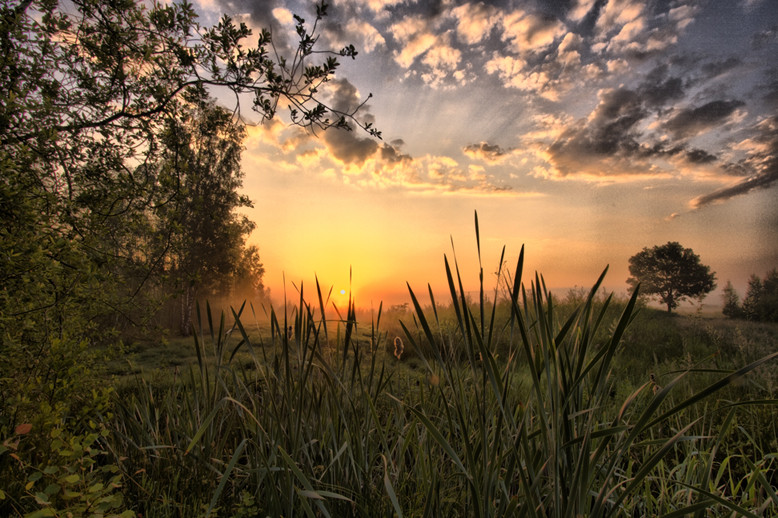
(121, 64)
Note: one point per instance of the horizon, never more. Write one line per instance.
(584, 130)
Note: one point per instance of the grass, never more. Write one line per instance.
(527, 407)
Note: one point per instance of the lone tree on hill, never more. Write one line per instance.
(671, 273)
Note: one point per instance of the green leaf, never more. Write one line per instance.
(71, 479)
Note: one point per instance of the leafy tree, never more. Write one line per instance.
(671, 273)
(732, 308)
(761, 301)
(201, 162)
(89, 90)
(87, 93)
(752, 302)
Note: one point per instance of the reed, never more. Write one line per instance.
(516, 411)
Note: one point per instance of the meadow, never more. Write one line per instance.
(511, 402)
(586, 406)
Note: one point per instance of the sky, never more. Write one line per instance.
(584, 130)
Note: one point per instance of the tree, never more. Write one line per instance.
(732, 308)
(88, 91)
(671, 273)
(202, 164)
(761, 302)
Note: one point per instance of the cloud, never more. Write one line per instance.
(604, 145)
(693, 121)
(658, 89)
(475, 21)
(443, 60)
(530, 32)
(264, 14)
(770, 92)
(580, 9)
(611, 144)
(549, 79)
(283, 15)
(379, 5)
(367, 163)
(429, 174)
(761, 161)
(699, 156)
(365, 36)
(758, 181)
(638, 30)
(719, 67)
(763, 38)
(416, 39)
(426, 51)
(616, 14)
(486, 152)
(348, 146)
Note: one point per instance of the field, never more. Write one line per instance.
(588, 406)
(585, 405)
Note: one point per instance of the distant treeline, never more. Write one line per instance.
(760, 303)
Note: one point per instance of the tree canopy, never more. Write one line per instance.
(119, 176)
(670, 273)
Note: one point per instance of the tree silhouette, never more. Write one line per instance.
(731, 299)
(93, 99)
(670, 273)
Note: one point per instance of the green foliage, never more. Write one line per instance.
(58, 464)
(760, 303)
(671, 273)
(96, 99)
(203, 251)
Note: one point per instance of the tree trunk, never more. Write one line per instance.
(187, 307)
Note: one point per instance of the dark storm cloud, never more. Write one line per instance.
(609, 133)
(391, 153)
(261, 11)
(699, 156)
(767, 90)
(692, 121)
(758, 181)
(348, 146)
(485, 151)
(432, 8)
(763, 38)
(612, 128)
(716, 68)
(771, 97)
(586, 25)
(658, 89)
(610, 139)
(762, 163)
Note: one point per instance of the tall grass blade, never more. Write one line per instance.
(390, 490)
(225, 476)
